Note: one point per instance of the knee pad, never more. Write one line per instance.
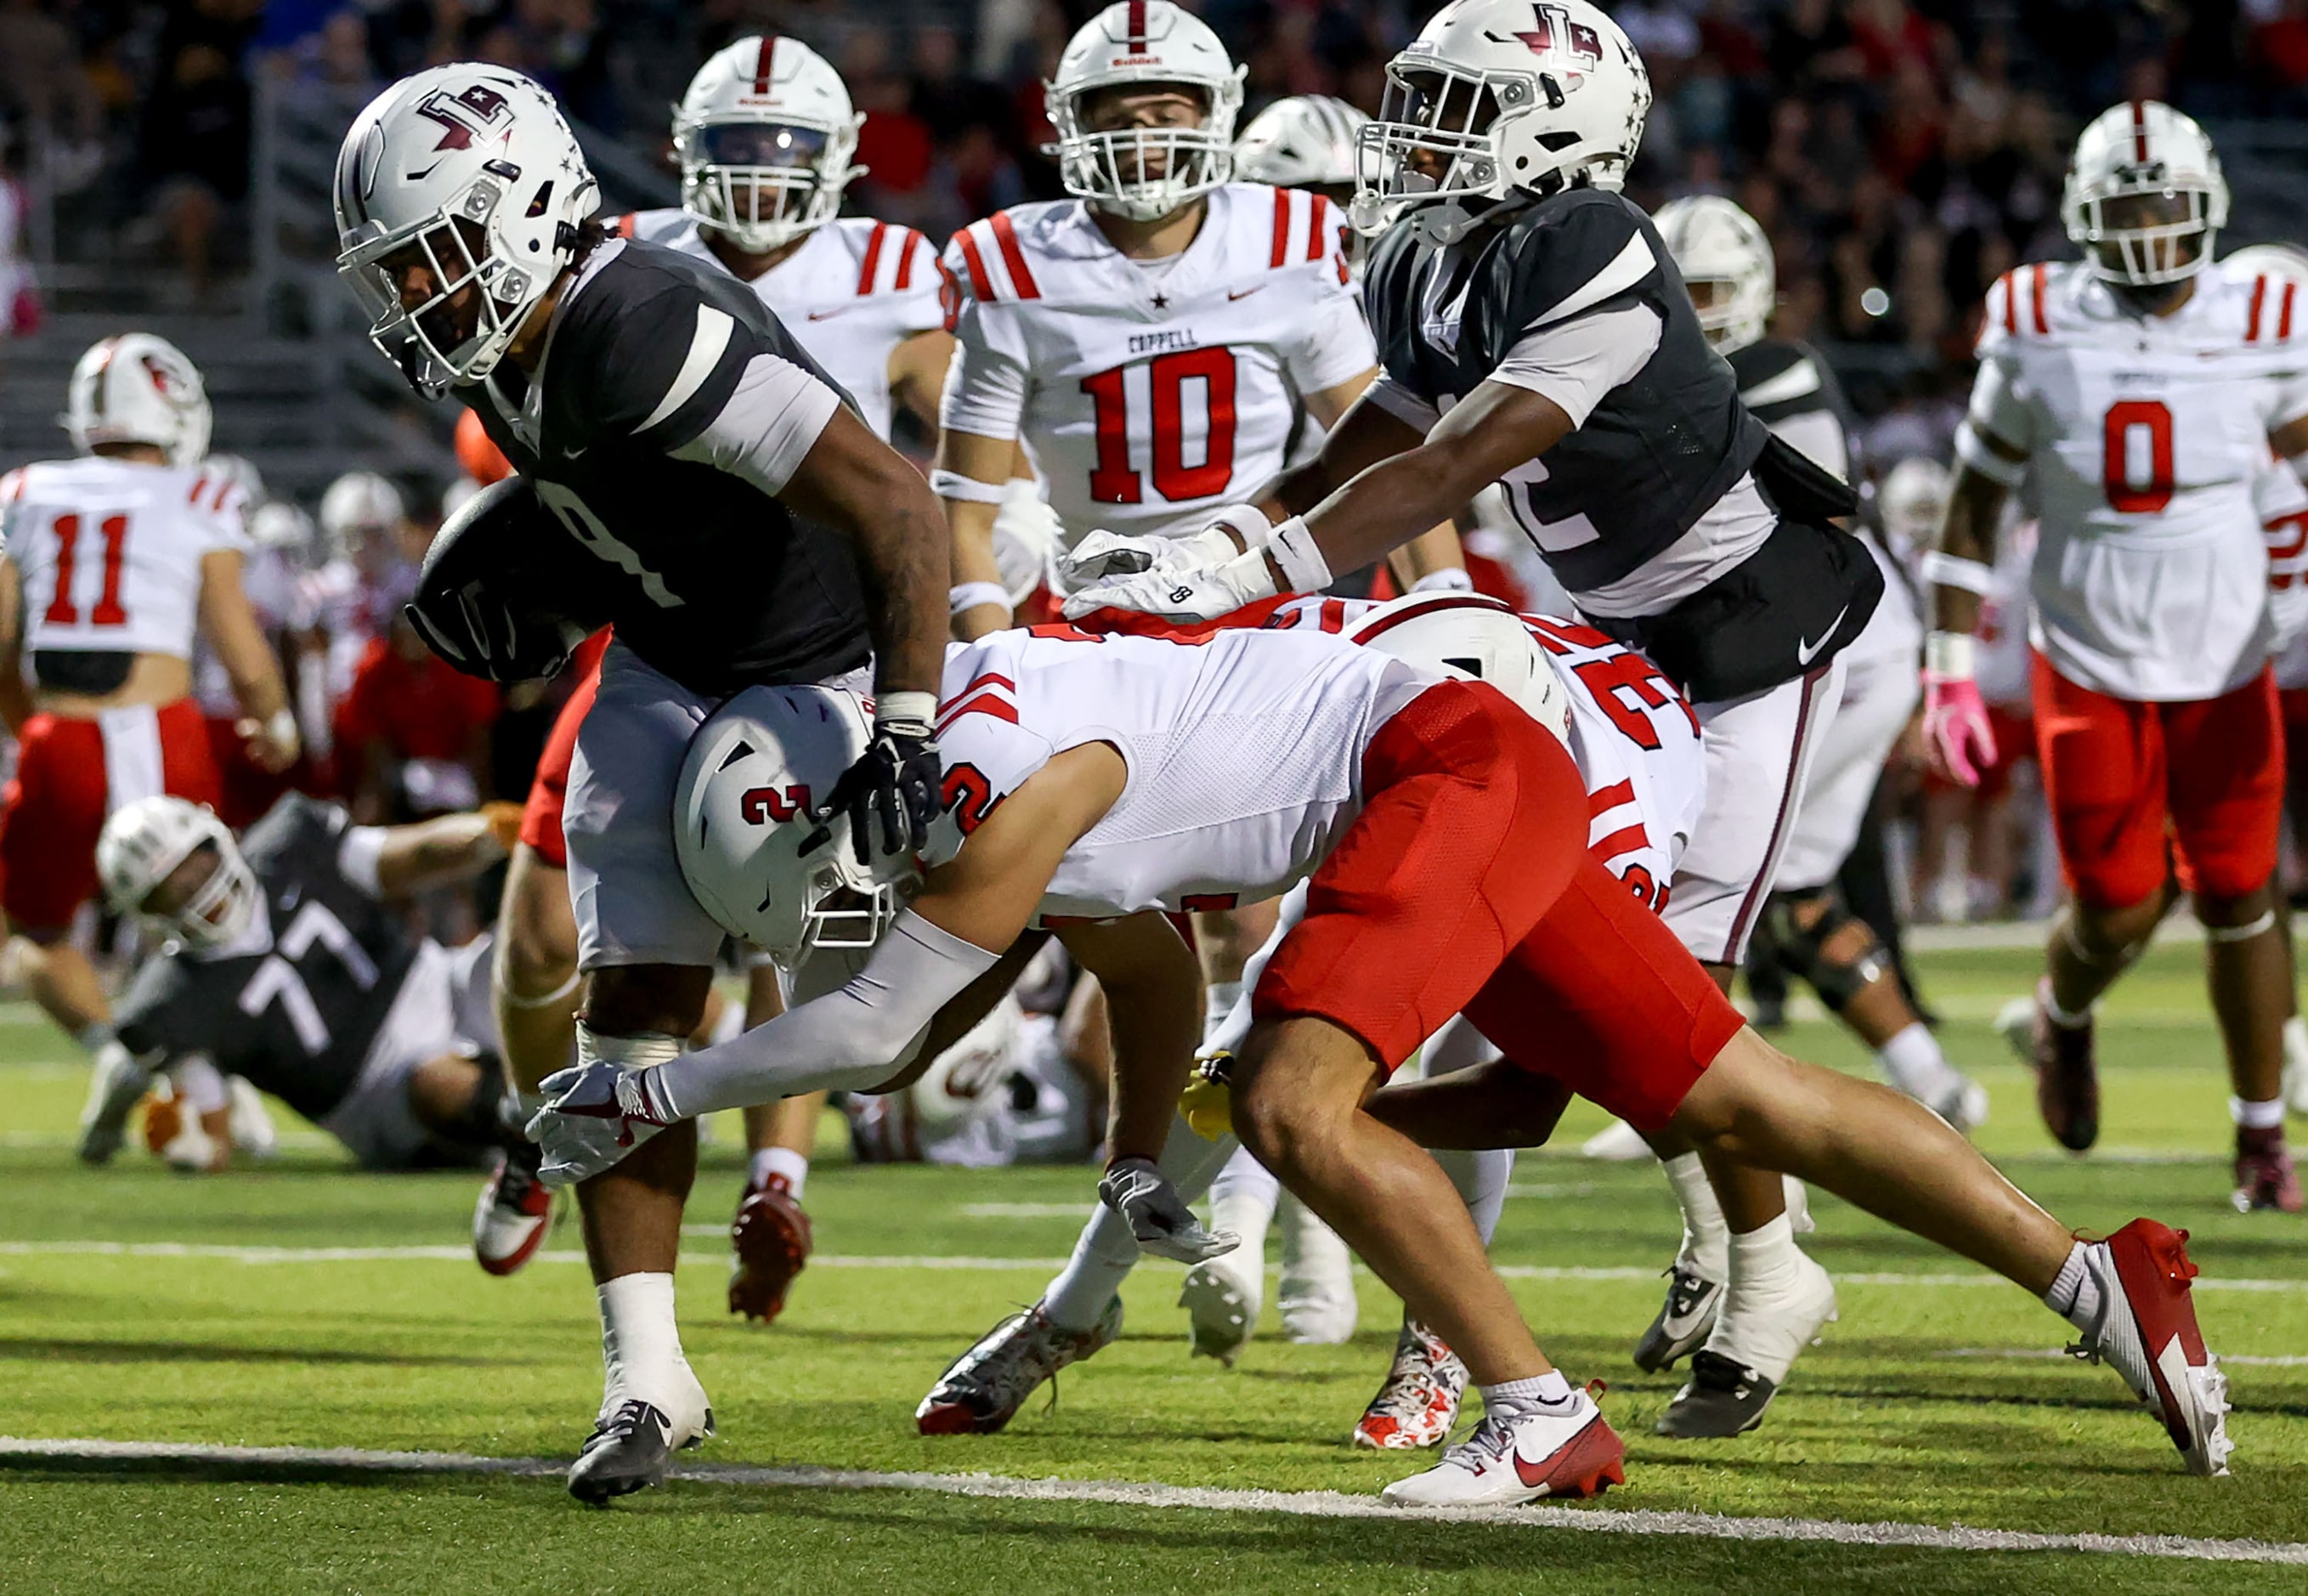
(1800, 949)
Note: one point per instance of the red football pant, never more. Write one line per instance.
(70, 775)
(1465, 885)
(2137, 790)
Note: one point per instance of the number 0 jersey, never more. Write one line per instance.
(1148, 394)
(297, 1004)
(854, 291)
(2144, 436)
(108, 551)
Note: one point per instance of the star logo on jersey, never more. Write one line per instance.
(1161, 301)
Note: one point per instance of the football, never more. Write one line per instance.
(506, 594)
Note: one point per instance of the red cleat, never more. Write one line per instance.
(2264, 1176)
(2147, 1332)
(771, 1240)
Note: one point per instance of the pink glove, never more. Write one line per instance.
(1956, 730)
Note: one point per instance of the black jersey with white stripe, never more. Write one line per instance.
(296, 1006)
(715, 582)
(1660, 449)
(1789, 387)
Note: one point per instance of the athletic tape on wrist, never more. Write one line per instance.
(905, 709)
(645, 1051)
(1947, 655)
(1452, 581)
(1972, 450)
(1293, 548)
(953, 484)
(969, 595)
(1954, 571)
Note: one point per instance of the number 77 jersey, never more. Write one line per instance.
(2144, 436)
(1147, 394)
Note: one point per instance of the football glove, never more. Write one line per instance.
(898, 780)
(1137, 1190)
(1181, 595)
(1957, 735)
(1103, 555)
(594, 1116)
(1208, 1101)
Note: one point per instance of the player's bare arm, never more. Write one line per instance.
(1958, 740)
(972, 469)
(1153, 986)
(917, 372)
(1363, 435)
(15, 701)
(233, 630)
(444, 851)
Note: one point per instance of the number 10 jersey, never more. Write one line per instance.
(2144, 436)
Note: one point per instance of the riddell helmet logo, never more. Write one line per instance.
(761, 804)
(1141, 59)
(465, 115)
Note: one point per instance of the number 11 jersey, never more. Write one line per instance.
(1148, 394)
(2144, 436)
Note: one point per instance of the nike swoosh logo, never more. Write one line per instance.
(819, 316)
(1806, 652)
(1233, 294)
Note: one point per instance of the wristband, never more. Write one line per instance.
(908, 710)
(1954, 571)
(1451, 581)
(953, 484)
(1972, 450)
(1947, 655)
(969, 595)
(1292, 548)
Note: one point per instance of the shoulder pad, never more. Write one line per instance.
(989, 264)
(1575, 250)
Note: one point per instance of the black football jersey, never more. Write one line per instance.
(711, 580)
(1789, 387)
(1658, 452)
(297, 1015)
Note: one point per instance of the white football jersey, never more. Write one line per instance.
(1635, 739)
(2144, 436)
(1244, 751)
(854, 291)
(109, 551)
(1148, 394)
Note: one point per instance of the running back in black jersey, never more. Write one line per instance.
(1658, 451)
(716, 584)
(296, 1010)
(1789, 387)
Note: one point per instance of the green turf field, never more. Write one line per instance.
(296, 1314)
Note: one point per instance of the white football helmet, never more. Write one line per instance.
(1144, 173)
(359, 507)
(1305, 141)
(1503, 98)
(280, 526)
(1714, 241)
(764, 136)
(469, 173)
(1912, 502)
(138, 389)
(1471, 637)
(966, 1082)
(141, 845)
(741, 814)
(2157, 164)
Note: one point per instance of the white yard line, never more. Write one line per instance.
(1602, 1519)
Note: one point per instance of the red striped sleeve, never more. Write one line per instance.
(200, 487)
(2259, 295)
(2283, 311)
(1604, 799)
(626, 223)
(1005, 237)
(914, 241)
(2039, 274)
(2009, 283)
(1281, 227)
(981, 286)
(873, 258)
(1320, 231)
(1626, 840)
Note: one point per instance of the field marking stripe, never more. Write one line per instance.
(257, 1253)
(1127, 1494)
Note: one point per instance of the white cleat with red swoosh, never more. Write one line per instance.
(2148, 1332)
(1564, 1449)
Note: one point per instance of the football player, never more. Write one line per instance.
(688, 473)
(1535, 332)
(1103, 782)
(111, 564)
(284, 958)
(2136, 395)
(1645, 779)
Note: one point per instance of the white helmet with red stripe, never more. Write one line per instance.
(1305, 141)
(764, 136)
(741, 823)
(1471, 637)
(138, 389)
(2144, 195)
(1144, 173)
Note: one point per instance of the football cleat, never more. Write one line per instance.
(1964, 1104)
(1221, 1309)
(513, 1215)
(771, 1238)
(250, 1122)
(1419, 1402)
(2265, 1178)
(1731, 1380)
(1564, 1450)
(1617, 1142)
(1723, 1397)
(629, 1449)
(2067, 1077)
(1684, 1320)
(2147, 1332)
(988, 1383)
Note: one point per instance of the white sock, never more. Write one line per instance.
(1549, 1390)
(1767, 1268)
(780, 1164)
(1913, 1062)
(1104, 1255)
(1706, 1238)
(1481, 1179)
(2076, 1294)
(2257, 1117)
(2058, 1015)
(1765, 1260)
(1218, 999)
(641, 1345)
(1244, 1181)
